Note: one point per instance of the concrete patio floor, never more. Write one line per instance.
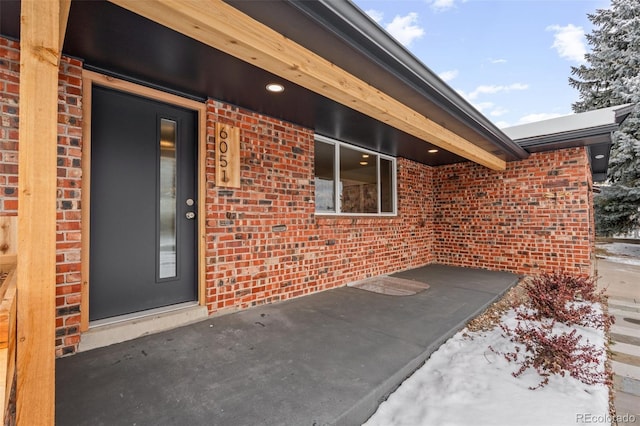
(323, 359)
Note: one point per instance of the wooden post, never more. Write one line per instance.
(41, 38)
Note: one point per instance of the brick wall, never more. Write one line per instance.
(534, 217)
(264, 241)
(360, 247)
(9, 89)
(247, 261)
(68, 246)
(68, 235)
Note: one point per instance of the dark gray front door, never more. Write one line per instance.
(143, 203)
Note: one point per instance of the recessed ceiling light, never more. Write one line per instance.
(363, 163)
(432, 151)
(365, 155)
(599, 156)
(275, 87)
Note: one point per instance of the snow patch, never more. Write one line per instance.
(465, 383)
(626, 253)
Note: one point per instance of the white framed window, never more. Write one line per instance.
(353, 181)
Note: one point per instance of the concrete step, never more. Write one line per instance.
(623, 303)
(132, 326)
(627, 409)
(626, 377)
(621, 315)
(632, 307)
(621, 328)
(626, 385)
(626, 359)
(620, 338)
(625, 348)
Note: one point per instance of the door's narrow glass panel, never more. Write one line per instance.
(167, 237)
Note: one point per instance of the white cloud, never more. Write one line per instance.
(448, 75)
(532, 118)
(376, 15)
(502, 124)
(498, 61)
(497, 112)
(483, 106)
(490, 108)
(569, 42)
(405, 28)
(492, 89)
(442, 5)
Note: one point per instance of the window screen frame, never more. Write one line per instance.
(337, 146)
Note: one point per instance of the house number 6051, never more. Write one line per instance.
(227, 156)
(223, 148)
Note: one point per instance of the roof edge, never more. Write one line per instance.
(623, 112)
(566, 139)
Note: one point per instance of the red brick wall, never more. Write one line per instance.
(361, 247)
(68, 277)
(9, 89)
(264, 242)
(532, 218)
(68, 280)
(249, 262)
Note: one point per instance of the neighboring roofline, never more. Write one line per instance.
(623, 112)
(592, 129)
(580, 129)
(582, 137)
(407, 68)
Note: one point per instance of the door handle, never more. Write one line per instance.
(190, 215)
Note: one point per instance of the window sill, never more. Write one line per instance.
(356, 215)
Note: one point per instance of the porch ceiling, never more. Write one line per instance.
(113, 40)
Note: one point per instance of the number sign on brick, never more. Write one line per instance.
(227, 156)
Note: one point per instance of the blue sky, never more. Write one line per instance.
(510, 58)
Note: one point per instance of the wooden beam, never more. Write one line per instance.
(65, 5)
(41, 35)
(225, 28)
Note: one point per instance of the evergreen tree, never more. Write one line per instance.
(612, 77)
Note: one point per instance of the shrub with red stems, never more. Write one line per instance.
(551, 352)
(555, 299)
(567, 299)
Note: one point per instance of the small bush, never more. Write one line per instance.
(566, 298)
(549, 352)
(552, 299)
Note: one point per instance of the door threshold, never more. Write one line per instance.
(119, 329)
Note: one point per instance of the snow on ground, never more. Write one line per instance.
(620, 253)
(465, 383)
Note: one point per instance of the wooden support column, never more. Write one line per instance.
(41, 38)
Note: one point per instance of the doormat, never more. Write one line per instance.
(391, 286)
